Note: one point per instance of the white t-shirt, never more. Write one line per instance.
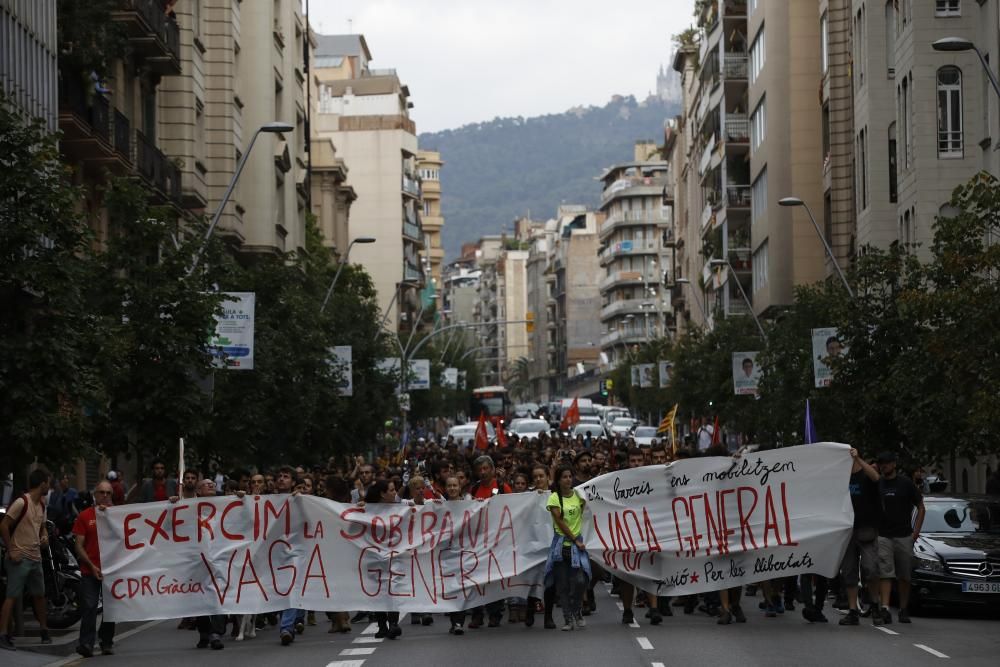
(705, 434)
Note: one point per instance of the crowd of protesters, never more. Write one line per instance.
(444, 470)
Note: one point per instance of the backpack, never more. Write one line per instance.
(17, 522)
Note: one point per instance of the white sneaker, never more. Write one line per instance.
(568, 626)
(581, 623)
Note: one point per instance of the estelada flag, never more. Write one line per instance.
(482, 435)
(571, 418)
(667, 425)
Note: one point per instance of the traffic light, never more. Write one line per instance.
(605, 387)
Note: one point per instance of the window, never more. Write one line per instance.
(860, 46)
(949, 111)
(890, 38)
(948, 8)
(824, 45)
(893, 185)
(757, 56)
(862, 172)
(759, 267)
(758, 197)
(758, 124)
(903, 91)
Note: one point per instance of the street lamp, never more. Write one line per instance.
(275, 127)
(795, 201)
(704, 314)
(959, 45)
(725, 262)
(329, 291)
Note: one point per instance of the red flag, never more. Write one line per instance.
(501, 436)
(716, 435)
(482, 435)
(571, 418)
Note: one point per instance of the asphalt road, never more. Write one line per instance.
(690, 640)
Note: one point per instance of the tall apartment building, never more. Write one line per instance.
(365, 112)
(543, 334)
(429, 165)
(28, 68)
(486, 312)
(634, 238)
(512, 309)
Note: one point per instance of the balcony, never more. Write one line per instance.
(412, 231)
(737, 128)
(411, 273)
(633, 186)
(626, 248)
(153, 36)
(93, 130)
(411, 186)
(157, 170)
(738, 196)
(625, 306)
(624, 336)
(633, 219)
(740, 260)
(621, 277)
(734, 66)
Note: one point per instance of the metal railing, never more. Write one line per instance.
(737, 127)
(738, 196)
(100, 117)
(411, 186)
(123, 135)
(412, 231)
(735, 66)
(163, 26)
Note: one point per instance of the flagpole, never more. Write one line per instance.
(180, 460)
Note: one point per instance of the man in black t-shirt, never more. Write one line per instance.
(862, 551)
(896, 534)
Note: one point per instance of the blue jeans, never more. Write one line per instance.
(290, 617)
(90, 595)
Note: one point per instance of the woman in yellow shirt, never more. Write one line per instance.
(568, 562)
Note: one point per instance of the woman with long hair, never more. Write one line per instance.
(384, 491)
(567, 566)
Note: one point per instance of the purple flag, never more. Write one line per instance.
(810, 432)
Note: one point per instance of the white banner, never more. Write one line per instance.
(634, 372)
(232, 344)
(342, 360)
(267, 553)
(420, 374)
(705, 524)
(449, 378)
(826, 345)
(665, 367)
(646, 375)
(746, 373)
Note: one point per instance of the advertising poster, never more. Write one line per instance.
(665, 368)
(232, 344)
(646, 375)
(343, 363)
(746, 373)
(826, 345)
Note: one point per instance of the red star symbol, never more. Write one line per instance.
(694, 577)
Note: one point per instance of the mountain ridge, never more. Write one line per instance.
(495, 171)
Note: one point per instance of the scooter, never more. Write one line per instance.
(62, 580)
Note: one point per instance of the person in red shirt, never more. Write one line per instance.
(484, 489)
(89, 555)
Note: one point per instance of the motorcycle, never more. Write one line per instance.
(62, 579)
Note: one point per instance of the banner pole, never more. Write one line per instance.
(180, 462)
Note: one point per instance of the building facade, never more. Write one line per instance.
(429, 166)
(28, 64)
(366, 115)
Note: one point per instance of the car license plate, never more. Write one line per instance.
(981, 587)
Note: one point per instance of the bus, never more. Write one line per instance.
(492, 402)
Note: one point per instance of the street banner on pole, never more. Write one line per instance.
(704, 524)
(449, 378)
(420, 374)
(826, 345)
(232, 344)
(646, 375)
(250, 555)
(746, 373)
(342, 358)
(665, 367)
(634, 370)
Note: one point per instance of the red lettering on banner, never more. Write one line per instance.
(174, 522)
(394, 575)
(203, 521)
(275, 571)
(344, 517)
(416, 567)
(219, 593)
(726, 530)
(130, 531)
(745, 529)
(157, 527)
(115, 592)
(395, 532)
(466, 528)
(371, 570)
(270, 510)
(770, 518)
(714, 528)
(377, 521)
(507, 525)
(427, 531)
(466, 574)
(444, 577)
(409, 529)
(317, 534)
(222, 522)
(491, 559)
(316, 557)
(789, 542)
(447, 527)
(248, 564)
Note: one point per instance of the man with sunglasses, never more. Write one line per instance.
(89, 556)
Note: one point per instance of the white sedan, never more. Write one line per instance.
(622, 425)
(645, 436)
(466, 433)
(529, 428)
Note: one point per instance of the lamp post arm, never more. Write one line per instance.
(829, 250)
(336, 276)
(222, 204)
(989, 70)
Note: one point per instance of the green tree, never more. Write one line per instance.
(47, 384)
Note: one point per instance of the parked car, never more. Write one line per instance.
(957, 556)
(582, 428)
(623, 425)
(645, 436)
(466, 433)
(529, 428)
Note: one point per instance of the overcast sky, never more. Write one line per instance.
(472, 60)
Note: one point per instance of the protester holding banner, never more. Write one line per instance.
(567, 567)
(89, 556)
(383, 491)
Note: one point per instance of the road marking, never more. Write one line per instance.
(886, 630)
(644, 643)
(368, 640)
(365, 650)
(346, 663)
(371, 629)
(621, 607)
(118, 638)
(930, 650)
(656, 664)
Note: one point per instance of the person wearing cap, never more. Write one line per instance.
(899, 498)
(117, 487)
